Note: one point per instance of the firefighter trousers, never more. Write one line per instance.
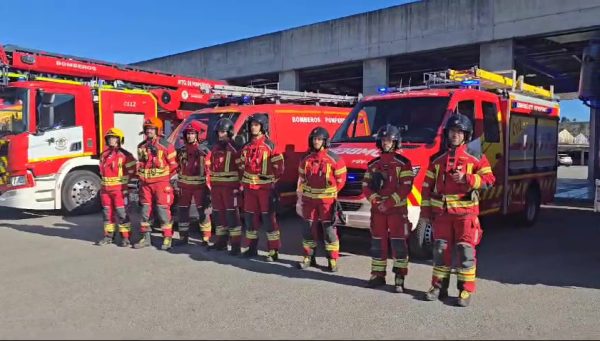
(389, 229)
(318, 215)
(161, 194)
(460, 233)
(258, 211)
(114, 209)
(226, 215)
(186, 195)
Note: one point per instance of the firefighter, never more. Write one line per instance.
(156, 165)
(117, 166)
(322, 176)
(260, 167)
(387, 183)
(225, 183)
(451, 203)
(193, 159)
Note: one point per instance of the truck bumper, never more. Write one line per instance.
(39, 197)
(357, 213)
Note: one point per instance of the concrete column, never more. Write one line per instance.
(594, 154)
(375, 75)
(289, 80)
(497, 55)
(583, 157)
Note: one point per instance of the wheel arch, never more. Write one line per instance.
(80, 163)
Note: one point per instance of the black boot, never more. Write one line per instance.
(399, 283)
(306, 262)
(125, 242)
(251, 252)
(375, 281)
(142, 243)
(235, 250)
(436, 294)
(220, 245)
(273, 256)
(108, 239)
(184, 238)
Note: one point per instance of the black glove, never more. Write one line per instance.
(376, 183)
(274, 200)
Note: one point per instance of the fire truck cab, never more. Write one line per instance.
(515, 126)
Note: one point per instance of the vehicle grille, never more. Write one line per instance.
(351, 206)
(353, 185)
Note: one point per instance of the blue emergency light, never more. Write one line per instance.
(352, 177)
(382, 90)
(470, 82)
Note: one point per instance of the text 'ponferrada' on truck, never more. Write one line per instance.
(515, 126)
(55, 110)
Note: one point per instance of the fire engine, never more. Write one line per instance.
(515, 126)
(55, 109)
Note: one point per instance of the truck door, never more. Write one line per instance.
(126, 110)
(492, 147)
(59, 131)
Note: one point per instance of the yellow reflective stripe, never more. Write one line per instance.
(469, 168)
(441, 272)
(153, 172)
(320, 196)
(397, 200)
(430, 174)
(275, 235)
(277, 158)
(406, 174)
(373, 196)
(227, 160)
(436, 203)
(224, 179)
(224, 174)
(340, 171)
(477, 183)
(264, 163)
(328, 171)
(401, 263)
(301, 170)
(257, 177)
(309, 244)
(484, 170)
(425, 203)
(461, 204)
(170, 156)
(437, 173)
(130, 164)
(309, 189)
(119, 180)
(332, 246)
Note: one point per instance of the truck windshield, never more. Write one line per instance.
(210, 119)
(13, 111)
(418, 117)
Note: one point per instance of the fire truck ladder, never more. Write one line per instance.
(250, 94)
(486, 80)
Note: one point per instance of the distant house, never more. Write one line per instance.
(565, 137)
(581, 139)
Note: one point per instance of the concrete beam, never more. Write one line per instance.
(375, 74)
(289, 80)
(497, 55)
(594, 154)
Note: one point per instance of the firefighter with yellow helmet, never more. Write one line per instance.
(117, 166)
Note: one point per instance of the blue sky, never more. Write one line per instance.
(126, 31)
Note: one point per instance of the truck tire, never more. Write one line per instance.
(421, 242)
(532, 207)
(81, 193)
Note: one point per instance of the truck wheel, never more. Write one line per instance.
(421, 242)
(532, 207)
(81, 193)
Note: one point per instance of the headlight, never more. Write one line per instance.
(18, 180)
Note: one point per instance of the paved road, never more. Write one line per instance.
(540, 282)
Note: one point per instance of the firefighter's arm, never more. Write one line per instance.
(207, 171)
(404, 175)
(428, 184)
(340, 174)
(301, 175)
(240, 162)
(482, 176)
(277, 164)
(130, 166)
(171, 159)
(371, 195)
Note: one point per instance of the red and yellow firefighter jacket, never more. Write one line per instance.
(322, 175)
(156, 160)
(224, 165)
(117, 166)
(396, 174)
(260, 165)
(193, 160)
(442, 195)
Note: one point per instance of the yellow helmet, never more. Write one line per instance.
(117, 133)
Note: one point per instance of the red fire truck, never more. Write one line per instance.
(516, 127)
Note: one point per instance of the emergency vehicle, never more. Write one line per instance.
(292, 115)
(515, 126)
(54, 110)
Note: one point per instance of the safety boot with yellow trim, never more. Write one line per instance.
(375, 281)
(464, 298)
(108, 239)
(306, 262)
(273, 256)
(144, 242)
(332, 265)
(167, 242)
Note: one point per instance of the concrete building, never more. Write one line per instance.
(542, 39)
(565, 137)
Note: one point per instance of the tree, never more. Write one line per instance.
(564, 119)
